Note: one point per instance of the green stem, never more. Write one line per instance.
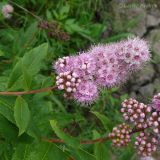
(27, 11)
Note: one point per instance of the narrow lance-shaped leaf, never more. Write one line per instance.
(68, 139)
(21, 114)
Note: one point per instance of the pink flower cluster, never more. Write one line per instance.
(146, 144)
(144, 117)
(104, 66)
(7, 10)
(135, 112)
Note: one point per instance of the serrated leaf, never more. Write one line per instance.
(21, 114)
(69, 140)
(25, 39)
(6, 109)
(32, 61)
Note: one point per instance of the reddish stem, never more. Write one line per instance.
(98, 140)
(29, 92)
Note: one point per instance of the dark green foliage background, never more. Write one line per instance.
(26, 56)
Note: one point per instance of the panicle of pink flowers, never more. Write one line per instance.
(102, 66)
(7, 10)
(144, 118)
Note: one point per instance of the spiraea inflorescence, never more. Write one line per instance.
(121, 135)
(135, 112)
(104, 66)
(146, 143)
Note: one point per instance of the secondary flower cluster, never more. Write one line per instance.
(135, 112)
(141, 117)
(7, 10)
(103, 66)
(121, 135)
(54, 31)
(146, 144)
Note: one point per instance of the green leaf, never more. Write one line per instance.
(39, 151)
(58, 103)
(21, 114)
(63, 13)
(69, 140)
(105, 121)
(100, 150)
(6, 109)
(32, 61)
(16, 75)
(119, 37)
(27, 78)
(72, 27)
(84, 155)
(25, 39)
(1, 53)
(33, 131)
(21, 152)
(96, 30)
(7, 129)
(49, 15)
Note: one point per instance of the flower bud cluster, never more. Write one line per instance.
(146, 120)
(105, 65)
(47, 25)
(53, 30)
(135, 112)
(156, 102)
(146, 144)
(120, 135)
(69, 82)
(154, 122)
(62, 64)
